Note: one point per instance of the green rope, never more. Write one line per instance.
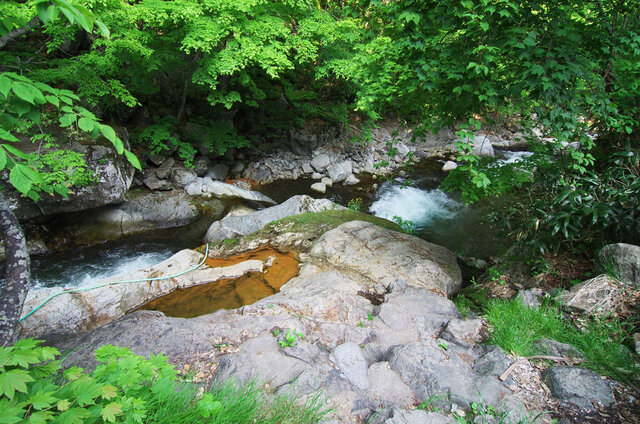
(206, 251)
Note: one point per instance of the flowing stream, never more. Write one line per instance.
(439, 218)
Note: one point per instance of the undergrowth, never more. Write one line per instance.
(516, 327)
(128, 388)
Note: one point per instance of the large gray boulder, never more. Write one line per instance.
(624, 260)
(235, 226)
(113, 177)
(141, 212)
(386, 256)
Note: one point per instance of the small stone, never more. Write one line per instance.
(201, 166)
(636, 338)
(157, 159)
(327, 181)
(623, 260)
(180, 177)
(307, 168)
(340, 171)
(319, 187)
(449, 166)
(317, 176)
(351, 180)
(154, 183)
(529, 299)
(237, 168)
(164, 170)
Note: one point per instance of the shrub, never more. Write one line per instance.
(128, 388)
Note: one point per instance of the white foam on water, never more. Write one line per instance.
(413, 204)
(112, 263)
(126, 266)
(513, 157)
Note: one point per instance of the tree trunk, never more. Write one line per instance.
(19, 32)
(14, 290)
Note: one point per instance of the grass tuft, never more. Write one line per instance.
(516, 327)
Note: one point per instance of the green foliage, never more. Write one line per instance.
(355, 204)
(62, 167)
(516, 327)
(128, 388)
(290, 338)
(503, 177)
(406, 226)
(590, 206)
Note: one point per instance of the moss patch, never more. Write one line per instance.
(297, 232)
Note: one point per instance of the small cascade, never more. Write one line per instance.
(423, 207)
(90, 264)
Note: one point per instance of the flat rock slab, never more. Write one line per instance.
(386, 256)
(579, 386)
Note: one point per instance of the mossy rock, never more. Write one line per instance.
(295, 233)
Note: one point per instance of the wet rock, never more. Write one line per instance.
(350, 359)
(555, 348)
(418, 262)
(233, 227)
(327, 181)
(449, 166)
(320, 162)
(220, 190)
(319, 187)
(624, 260)
(579, 386)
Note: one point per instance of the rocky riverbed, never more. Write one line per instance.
(367, 323)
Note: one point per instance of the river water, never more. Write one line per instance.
(439, 217)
